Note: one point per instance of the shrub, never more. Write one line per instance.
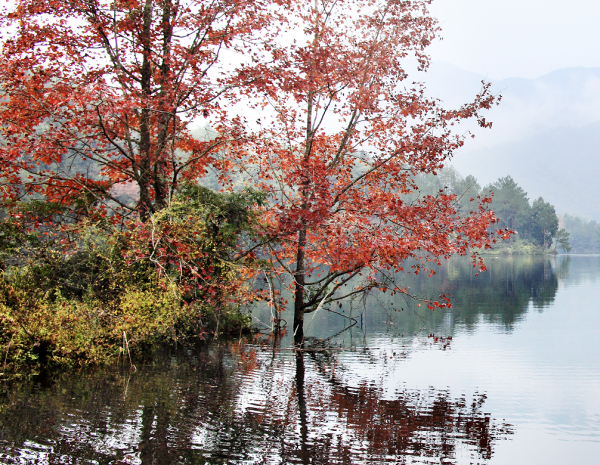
(116, 293)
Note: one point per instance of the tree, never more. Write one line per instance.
(338, 143)
(451, 181)
(562, 240)
(536, 222)
(544, 222)
(117, 85)
(511, 204)
(584, 235)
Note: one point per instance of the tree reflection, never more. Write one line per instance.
(304, 447)
(410, 424)
(502, 295)
(259, 404)
(240, 405)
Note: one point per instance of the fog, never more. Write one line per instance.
(545, 133)
(525, 38)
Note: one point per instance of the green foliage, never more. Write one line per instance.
(23, 230)
(516, 246)
(584, 235)
(41, 331)
(543, 225)
(100, 299)
(451, 182)
(227, 216)
(563, 240)
(511, 204)
(202, 241)
(535, 225)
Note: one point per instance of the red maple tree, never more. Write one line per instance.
(100, 95)
(340, 137)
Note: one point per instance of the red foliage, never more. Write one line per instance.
(340, 138)
(116, 85)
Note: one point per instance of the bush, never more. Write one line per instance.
(119, 293)
(516, 247)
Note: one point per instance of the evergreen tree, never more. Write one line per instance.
(562, 240)
(584, 235)
(511, 204)
(543, 225)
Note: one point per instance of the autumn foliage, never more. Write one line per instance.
(308, 104)
(116, 85)
(340, 136)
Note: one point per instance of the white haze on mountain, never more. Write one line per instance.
(545, 134)
(527, 38)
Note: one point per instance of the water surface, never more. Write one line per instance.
(509, 375)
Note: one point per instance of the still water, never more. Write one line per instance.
(509, 375)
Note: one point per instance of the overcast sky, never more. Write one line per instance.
(517, 38)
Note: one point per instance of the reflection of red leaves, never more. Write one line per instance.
(439, 341)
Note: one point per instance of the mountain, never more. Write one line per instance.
(545, 134)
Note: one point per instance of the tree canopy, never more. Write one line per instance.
(308, 103)
(340, 138)
(536, 222)
(117, 85)
(510, 203)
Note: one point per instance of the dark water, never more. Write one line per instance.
(510, 375)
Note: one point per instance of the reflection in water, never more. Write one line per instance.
(502, 295)
(260, 404)
(236, 404)
(508, 349)
(413, 424)
(304, 447)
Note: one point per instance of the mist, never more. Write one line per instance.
(545, 133)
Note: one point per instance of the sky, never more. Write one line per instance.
(517, 38)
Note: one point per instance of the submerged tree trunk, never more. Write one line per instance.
(299, 277)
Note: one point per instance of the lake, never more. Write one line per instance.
(509, 375)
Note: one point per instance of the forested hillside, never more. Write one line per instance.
(535, 224)
(584, 234)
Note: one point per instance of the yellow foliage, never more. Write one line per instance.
(37, 332)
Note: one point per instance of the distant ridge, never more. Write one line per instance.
(546, 133)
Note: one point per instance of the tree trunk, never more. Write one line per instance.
(166, 112)
(299, 294)
(144, 182)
